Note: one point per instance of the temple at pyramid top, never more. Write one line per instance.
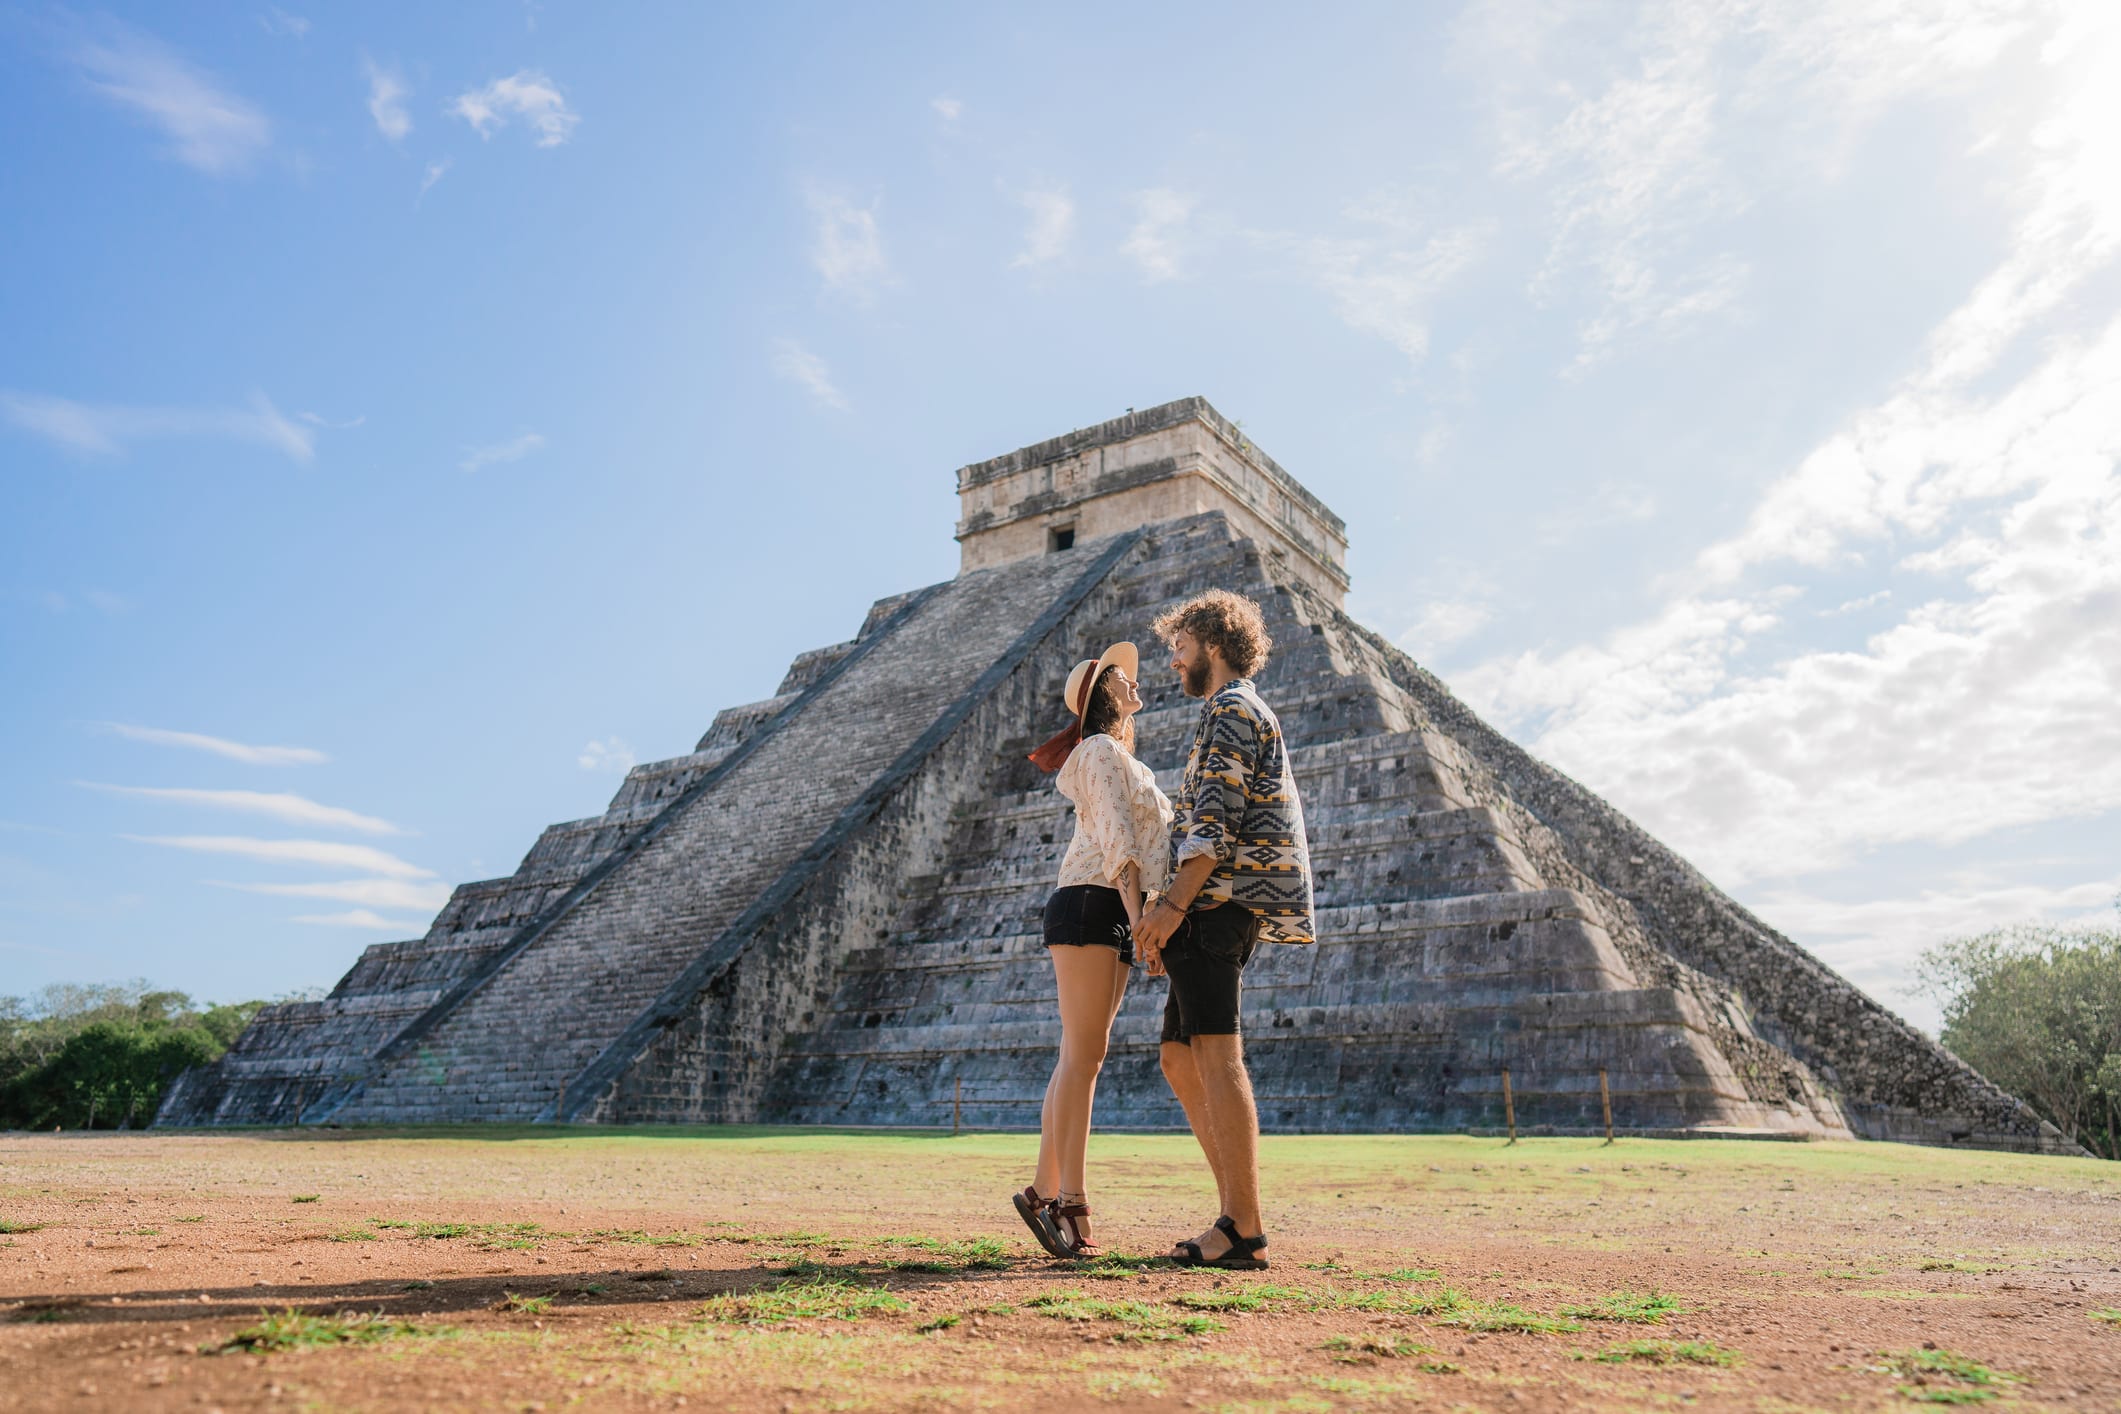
(1161, 464)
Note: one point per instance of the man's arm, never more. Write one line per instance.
(1160, 922)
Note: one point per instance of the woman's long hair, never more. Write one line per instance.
(1102, 715)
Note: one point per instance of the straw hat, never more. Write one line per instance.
(1076, 695)
(1054, 751)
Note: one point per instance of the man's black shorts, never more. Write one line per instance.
(1206, 959)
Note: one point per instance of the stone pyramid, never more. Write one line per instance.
(828, 912)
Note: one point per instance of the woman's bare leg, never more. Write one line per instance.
(1089, 991)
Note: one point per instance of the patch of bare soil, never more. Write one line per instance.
(772, 1270)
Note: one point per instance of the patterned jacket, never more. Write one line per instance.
(1238, 803)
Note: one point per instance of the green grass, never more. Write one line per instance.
(1138, 1320)
(1114, 1266)
(1402, 1303)
(1503, 1316)
(830, 1299)
(1665, 1352)
(1239, 1298)
(10, 1225)
(1642, 1310)
(2112, 1318)
(1941, 1377)
(1939, 1264)
(293, 1330)
(525, 1305)
(1357, 1348)
(940, 1323)
(971, 1255)
(651, 1239)
(355, 1234)
(199, 1219)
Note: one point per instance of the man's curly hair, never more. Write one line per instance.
(1221, 619)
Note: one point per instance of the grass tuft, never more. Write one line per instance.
(2112, 1318)
(1239, 1298)
(1138, 1320)
(10, 1225)
(525, 1305)
(978, 1254)
(1631, 1306)
(1503, 1316)
(940, 1323)
(355, 1234)
(1399, 1303)
(1665, 1352)
(1360, 1349)
(294, 1330)
(305, 1198)
(831, 1299)
(1941, 1377)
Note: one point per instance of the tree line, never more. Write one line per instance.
(101, 1056)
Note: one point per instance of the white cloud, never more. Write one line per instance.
(277, 21)
(1988, 490)
(610, 754)
(527, 94)
(219, 746)
(498, 453)
(949, 108)
(386, 100)
(366, 893)
(1052, 227)
(806, 370)
(1386, 283)
(1156, 244)
(293, 809)
(208, 127)
(319, 420)
(360, 918)
(434, 173)
(1443, 622)
(330, 854)
(93, 429)
(1646, 147)
(1610, 503)
(847, 251)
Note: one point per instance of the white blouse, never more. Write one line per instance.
(1120, 818)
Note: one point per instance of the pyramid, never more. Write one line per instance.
(828, 911)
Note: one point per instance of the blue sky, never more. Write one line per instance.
(411, 415)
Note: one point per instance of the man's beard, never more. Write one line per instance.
(1195, 680)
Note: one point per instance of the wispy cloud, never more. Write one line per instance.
(387, 93)
(847, 251)
(526, 94)
(949, 108)
(360, 918)
(208, 127)
(1052, 227)
(277, 21)
(104, 429)
(319, 420)
(366, 893)
(330, 854)
(293, 809)
(1385, 281)
(807, 371)
(219, 746)
(1156, 242)
(610, 754)
(497, 453)
(435, 172)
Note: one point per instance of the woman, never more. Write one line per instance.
(1120, 851)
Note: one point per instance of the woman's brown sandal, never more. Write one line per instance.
(1241, 1256)
(1079, 1243)
(1037, 1214)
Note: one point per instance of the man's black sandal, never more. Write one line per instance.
(1242, 1255)
(1037, 1214)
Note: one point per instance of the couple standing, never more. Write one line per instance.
(1194, 887)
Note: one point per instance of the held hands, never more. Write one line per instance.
(1154, 930)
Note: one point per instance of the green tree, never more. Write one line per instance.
(2037, 1009)
(101, 1056)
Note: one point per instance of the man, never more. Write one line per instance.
(1241, 871)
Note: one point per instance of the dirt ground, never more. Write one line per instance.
(799, 1269)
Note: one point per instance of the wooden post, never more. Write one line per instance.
(1605, 1099)
(1509, 1106)
(957, 1108)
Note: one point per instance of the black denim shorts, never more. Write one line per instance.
(1206, 960)
(1089, 915)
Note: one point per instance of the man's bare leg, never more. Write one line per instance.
(1183, 1076)
(1233, 1118)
